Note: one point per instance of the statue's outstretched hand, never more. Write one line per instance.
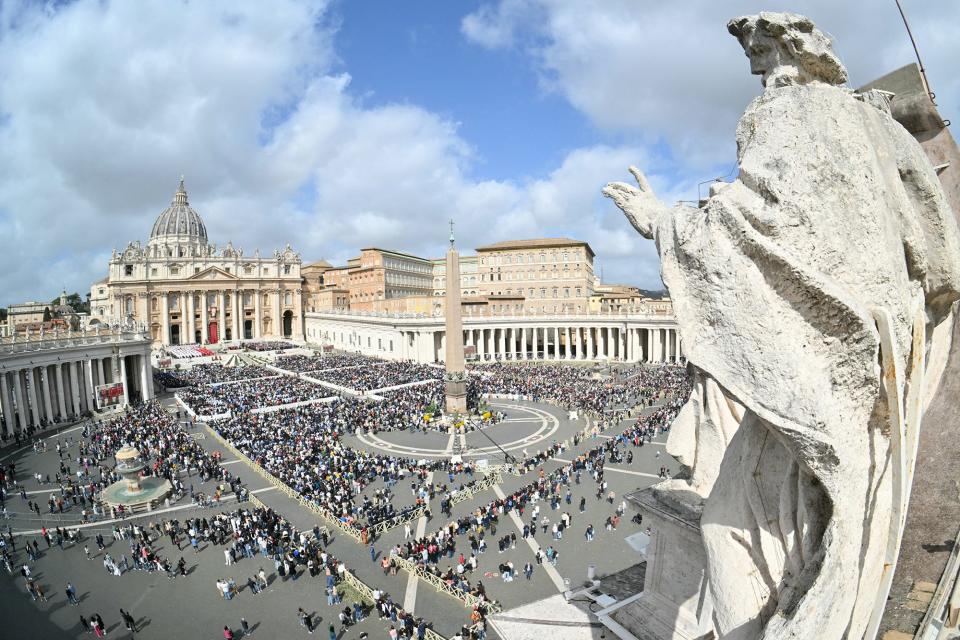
(639, 204)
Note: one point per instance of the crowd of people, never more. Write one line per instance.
(204, 374)
(268, 345)
(579, 388)
(305, 364)
(244, 396)
(303, 448)
(378, 374)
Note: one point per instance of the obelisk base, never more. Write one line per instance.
(456, 396)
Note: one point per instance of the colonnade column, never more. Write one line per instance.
(74, 389)
(58, 378)
(523, 343)
(18, 394)
(649, 345)
(47, 405)
(7, 403)
(503, 343)
(32, 394)
(91, 394)
(123, 377)
(533, 342)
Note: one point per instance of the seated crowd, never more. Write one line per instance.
(203, 374)
(246, 396)
(576, 387)
(268, 345)
(305, 364)
(380, 374)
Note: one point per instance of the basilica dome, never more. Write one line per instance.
(179, 222)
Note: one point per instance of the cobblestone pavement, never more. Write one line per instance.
(191, 607)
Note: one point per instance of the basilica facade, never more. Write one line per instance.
(185, 290)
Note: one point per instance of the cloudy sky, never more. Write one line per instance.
(337, 125)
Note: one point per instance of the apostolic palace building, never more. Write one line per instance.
(185, 290)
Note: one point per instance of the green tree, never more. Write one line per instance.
(46, 315)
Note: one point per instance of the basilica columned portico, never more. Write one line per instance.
(185, 290)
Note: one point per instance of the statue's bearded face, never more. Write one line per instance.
(764, 54)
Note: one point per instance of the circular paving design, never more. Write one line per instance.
(536, 425)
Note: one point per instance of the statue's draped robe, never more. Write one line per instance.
(836, 212)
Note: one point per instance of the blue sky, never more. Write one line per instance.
(419, 55)
(335, 125)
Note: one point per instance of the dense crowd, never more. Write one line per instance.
(303, 448)
(204, 374)
(380, 374)
(304, 364)
(578, 387)
(268, 345)
(161, 441)
(244, 396)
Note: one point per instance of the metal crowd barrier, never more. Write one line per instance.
(468, 599)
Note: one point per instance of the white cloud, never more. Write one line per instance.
(669, 70)
(103, 105)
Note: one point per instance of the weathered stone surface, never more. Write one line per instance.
(808, 292)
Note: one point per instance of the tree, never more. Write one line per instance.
(46, 315)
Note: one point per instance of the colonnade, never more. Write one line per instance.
(48, 387)
(627, 344)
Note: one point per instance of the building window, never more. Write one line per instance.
(554, 293)
(249, 270)
(288, 298)
(579, 292)
(128, 269)
(286, 269)
(174, 270)
(153, 271)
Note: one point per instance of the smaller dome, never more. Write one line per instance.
(179, 222)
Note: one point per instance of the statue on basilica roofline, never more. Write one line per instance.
(806, 292)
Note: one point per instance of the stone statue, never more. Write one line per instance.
(806, 293)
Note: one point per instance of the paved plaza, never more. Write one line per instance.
(192, 607)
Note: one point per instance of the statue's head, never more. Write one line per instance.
(786, 49)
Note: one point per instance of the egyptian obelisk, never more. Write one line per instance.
(455, 379)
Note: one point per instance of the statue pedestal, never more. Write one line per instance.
(675, 603)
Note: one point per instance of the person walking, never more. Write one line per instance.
(245, 627)
(72, 595)
(128, 621)
(308, 619)
(332, 632)
(227, 633)
(373, 554)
